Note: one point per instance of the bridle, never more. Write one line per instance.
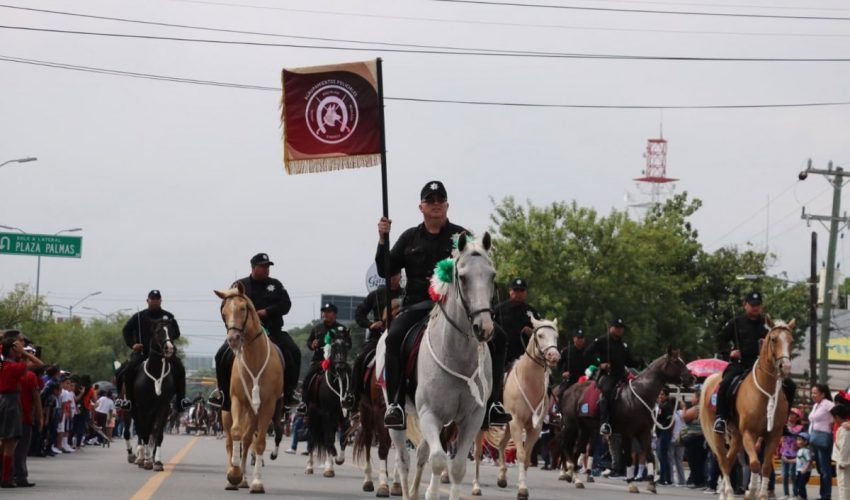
(539, 356)
(240, 329)
(777, 360)
(470, 314)
(160, 345)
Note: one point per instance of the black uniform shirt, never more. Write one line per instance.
(268, 294)
(417, 252)
(742, 333)
(374, 304)
(610, 349)
(143, 322)
(572, 360)
(318, 333)
(512, 316)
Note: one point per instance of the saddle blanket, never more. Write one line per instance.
(589, 404)
(733, 391)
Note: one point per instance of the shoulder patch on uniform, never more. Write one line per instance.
(270, 287)
(165, 317)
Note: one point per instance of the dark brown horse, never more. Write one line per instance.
(632, 416)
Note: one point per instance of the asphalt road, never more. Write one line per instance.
(196, 470)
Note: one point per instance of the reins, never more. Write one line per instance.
(254, 394)
(772, 399)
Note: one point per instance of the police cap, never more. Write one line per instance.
(261, 259)
(754, 298)
(433, 188)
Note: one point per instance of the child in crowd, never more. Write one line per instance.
(788, 449)
(841, 450)
(804, 466)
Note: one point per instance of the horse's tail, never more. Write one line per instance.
(706, 414)
(365, 436)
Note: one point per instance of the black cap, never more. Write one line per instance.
(519, 284)
(10, 334)
(328, 307)
(754, 298)
(261, 259)
(578, 334)
(433, 188)
(154, 294)
(618, 322)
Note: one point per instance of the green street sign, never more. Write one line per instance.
(45, 245)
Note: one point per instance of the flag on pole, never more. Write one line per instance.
(331, 117)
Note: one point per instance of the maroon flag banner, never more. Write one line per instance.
(331, 117)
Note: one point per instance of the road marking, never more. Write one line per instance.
(153, 484)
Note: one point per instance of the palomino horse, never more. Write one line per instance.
(760, 411)
(632, 415)
(329, 408)
(527, 399)
(153, 388)
(256, 384)
(453, 370)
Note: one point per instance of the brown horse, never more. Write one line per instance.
(760, 411)
(527, 399)
(256, 385)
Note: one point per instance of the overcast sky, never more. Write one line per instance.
(177, 185)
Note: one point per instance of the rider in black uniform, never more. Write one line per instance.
(373, 305)
(572, 363)
(744, 333)
(137, 335)
(316, 342)
(611, 355)
(417, 251)
(271, 300)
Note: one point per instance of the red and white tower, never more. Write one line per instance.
(654, 184)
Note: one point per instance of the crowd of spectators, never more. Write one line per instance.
(45, 411)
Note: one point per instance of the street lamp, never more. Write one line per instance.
(38, 268)
(71, 308)
(107, 316)
(20, 160)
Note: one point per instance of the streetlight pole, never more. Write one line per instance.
(105, 315)
(71, 308)
(20, 160)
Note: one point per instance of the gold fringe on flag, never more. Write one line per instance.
(316, 165)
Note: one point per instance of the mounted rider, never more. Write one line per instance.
(322, 334)
(137, 335)
(744, 333)
(514, 316)
(572, 363)
(371, 315)
(612, 355)
(417, 251)
(271, 300)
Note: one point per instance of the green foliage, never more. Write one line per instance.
(584, 269)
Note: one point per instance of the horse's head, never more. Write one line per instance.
(338, 355)
(673, 369)
(473, 277)
(160, 338)
(544, 343)
(777, 345)
(238, 314)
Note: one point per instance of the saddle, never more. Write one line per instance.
(589, 404)
(733, 392)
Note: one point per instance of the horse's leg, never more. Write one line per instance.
(278, 428)
(523, 455)
(588, 461)
(755, 466)
(245, 450)
(234, 471)
(646, 456)
(402, 460)
(226, 423)
(467, 429)
(264, 417)
(329, 427)
(128, 420)
(368, 485)
(422, 452)
(478, 450)
(430, 427)
(308, 469)
(502, 478)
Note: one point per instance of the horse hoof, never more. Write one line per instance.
(308, 470)
(257, 488)
(329, 473)
(148, 465)
(476, 492)
(651, 488)
(131, 459)
(383, 492)
(234, 477)
(158, 466)
(579, 484)
(502, 483)
(231, 487)
(444, 478)
(273, 456)
(633, 488)
(368, 486)
(590, 479)
(339, 459)
(395, 490)
(522, 495)
(243, 484)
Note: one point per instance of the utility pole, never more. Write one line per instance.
(836, 178)
(813, 313)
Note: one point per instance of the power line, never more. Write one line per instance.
(456, 52)
(502, 23)
(643, 11)
(149, 76)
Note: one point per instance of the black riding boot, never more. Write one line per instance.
(496, 414)
(394, 418)
(604, 417)
(178, 373)
(722, 405)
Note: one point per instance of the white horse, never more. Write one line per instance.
(453, 371)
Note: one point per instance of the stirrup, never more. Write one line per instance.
(720, 425)
(394, 417)
(497, 415)
(605, 429)
(301, 409)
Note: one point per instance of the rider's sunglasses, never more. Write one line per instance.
(434, 200)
